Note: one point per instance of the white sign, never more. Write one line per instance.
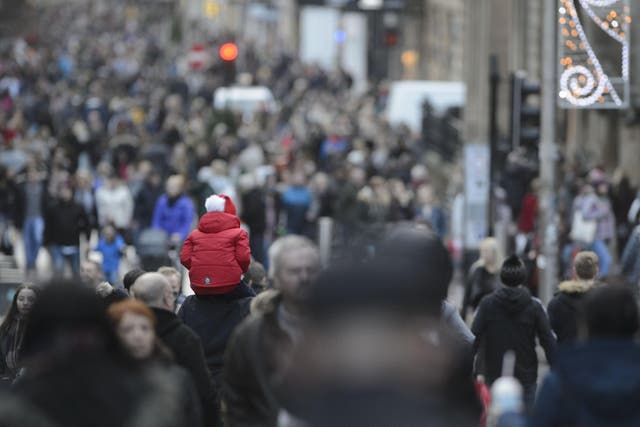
(476, 191)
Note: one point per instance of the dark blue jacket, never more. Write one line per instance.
(592, 385)
(176, 217)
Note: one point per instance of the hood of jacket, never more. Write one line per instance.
(215, 222)
(513, 300)
(576, 286)
(266, 303)
(604, 376)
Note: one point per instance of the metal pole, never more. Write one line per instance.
(547, 153)
(494, 82)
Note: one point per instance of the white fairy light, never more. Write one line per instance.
(579, 85)
(601, 3)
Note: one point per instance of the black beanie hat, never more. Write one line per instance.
(513, 272)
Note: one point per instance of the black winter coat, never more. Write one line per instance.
(145, 204)
(253, 211)
(251, 362)
(566, 308)
(64, 222)
(479, 284)
(213, 318)
(188, 353)
(510, 319)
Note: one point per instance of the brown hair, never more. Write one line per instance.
(585, 265)
(117, 311)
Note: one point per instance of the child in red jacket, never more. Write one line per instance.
(217, 254)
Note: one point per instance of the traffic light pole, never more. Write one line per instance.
(548, 156)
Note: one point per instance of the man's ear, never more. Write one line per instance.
(168, 298)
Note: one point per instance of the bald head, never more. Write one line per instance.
(154, 290)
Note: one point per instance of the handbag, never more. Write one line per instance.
(583, 230)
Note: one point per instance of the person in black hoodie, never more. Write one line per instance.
(510, 320)
(64, 222)
(566, 306)
(154, 290)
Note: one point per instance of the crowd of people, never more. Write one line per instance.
(110, 144)
(360, 342)
(596, 211)
(101, 122)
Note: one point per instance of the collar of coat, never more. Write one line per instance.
(576, 286)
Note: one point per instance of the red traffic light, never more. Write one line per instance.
(391, 38)
(229, 51)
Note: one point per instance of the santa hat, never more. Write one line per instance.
(220, 203)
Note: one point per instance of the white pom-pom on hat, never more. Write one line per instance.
(220, 203)
(215, 203)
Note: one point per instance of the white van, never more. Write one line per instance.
(245, 99)
(406, 99)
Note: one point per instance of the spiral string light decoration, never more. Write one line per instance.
(583, 81)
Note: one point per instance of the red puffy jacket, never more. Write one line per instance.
(216, 254)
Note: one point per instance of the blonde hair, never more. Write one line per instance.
(490, 244)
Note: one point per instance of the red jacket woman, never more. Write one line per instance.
(217, 253)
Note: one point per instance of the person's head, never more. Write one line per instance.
(490, 252)
(535, 186)
(154, 290)
(298, 179)
(611, 312)
(25, 297)
(513, 272)
(175, 185)
(23, 300)
(68, 320)
(65, 194)
(320, 182)
(425, 195)
(173, 277)
(256, 276)
(220, 203)
(294, 262)
(585, 266)
(134, 324)
(84, 179)
(91, 272)
(358, 177)
(131, 276)
(113, 181)
(415, 256)
(109, 233)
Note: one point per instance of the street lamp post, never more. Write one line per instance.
(548, 155)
